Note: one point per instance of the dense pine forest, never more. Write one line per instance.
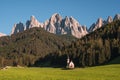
(36, 47)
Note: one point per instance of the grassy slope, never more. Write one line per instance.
(108, 72)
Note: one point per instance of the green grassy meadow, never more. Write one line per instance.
(107, 72)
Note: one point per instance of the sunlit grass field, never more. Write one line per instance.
(107, 72)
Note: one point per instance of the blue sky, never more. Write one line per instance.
(85, 11)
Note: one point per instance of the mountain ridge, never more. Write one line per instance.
(58, 25)
(100, 22)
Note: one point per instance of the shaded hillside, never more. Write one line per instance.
(26, 47)
(98, 47)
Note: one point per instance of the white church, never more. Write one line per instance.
(70, 64)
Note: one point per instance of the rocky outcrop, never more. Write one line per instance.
(96, 25)
(53, 25)
(72, 26)
(18, 28)
(85, 29)
(101, 22)
(33, 22)
(1, 34)
(67, 25)
(117, 17)
(109, 20)
(58, 25)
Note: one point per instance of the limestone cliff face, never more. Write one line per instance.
(117, 17)
(96, 25)
(68, 25)
(72, 26)
(101, 22)
(58, 25)
(53, 25)
(33, 22)
(17, 28)
(109, 20)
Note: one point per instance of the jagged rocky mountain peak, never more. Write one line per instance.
(34, 22)
(109, 19)
(32, 17)
(99, 23)
(67, 25)
(117, 17)
(19, 27)
(55, 18)
(56, 24)
(55, 15)
(84, 27)
(73, 21)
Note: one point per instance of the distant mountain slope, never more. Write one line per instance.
(26, 47)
